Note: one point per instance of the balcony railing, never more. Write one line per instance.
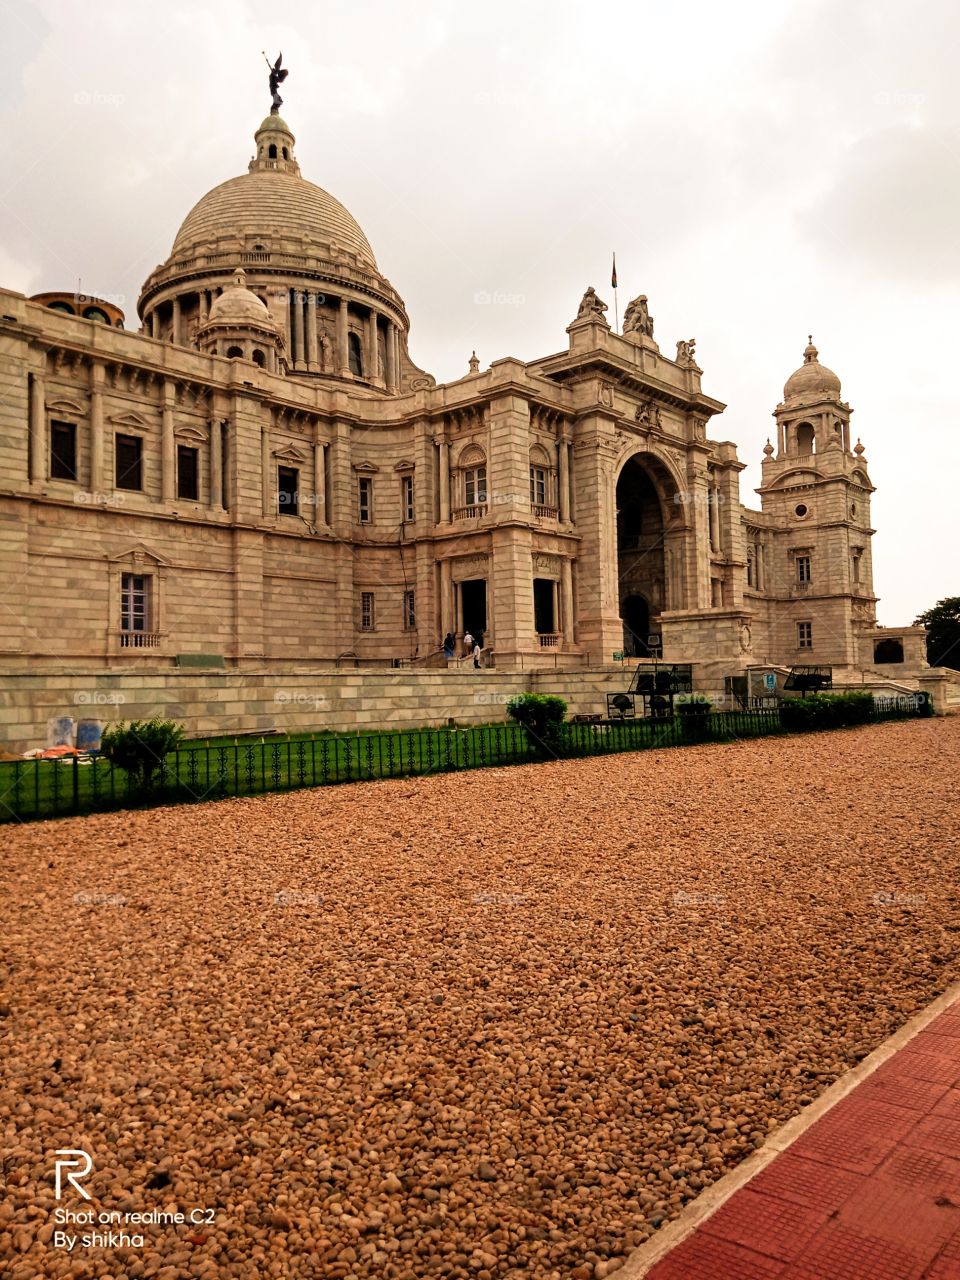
(140, 639)
(549, 639)
(471, 512)
(801, 588)
(544, 513)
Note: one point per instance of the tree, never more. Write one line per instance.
(140, 748)
(943, 633)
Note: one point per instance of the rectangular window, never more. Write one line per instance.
(288, 491)
(188, 473)
(538, 487)
(365, 500)
(475, 486)
(804, 635)
(135, 602)
(367, 614)
(856, 568)
(750, 566)
(406, 499)
(129, 462)
(803, 568)
(409, 611)
(63, 451)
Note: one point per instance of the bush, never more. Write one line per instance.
(826, 711)
(697, 704)
(140, 747)
(541, 715)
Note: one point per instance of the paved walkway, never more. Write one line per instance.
(870, 1191)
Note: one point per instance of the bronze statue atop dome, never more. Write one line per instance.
(277, 78)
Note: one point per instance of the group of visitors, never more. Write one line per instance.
(472, 644)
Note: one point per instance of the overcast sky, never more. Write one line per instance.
(763, 170)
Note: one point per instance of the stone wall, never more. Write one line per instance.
(219, 702)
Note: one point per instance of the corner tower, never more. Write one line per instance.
(817, 489)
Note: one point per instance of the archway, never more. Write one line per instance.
(641, 559)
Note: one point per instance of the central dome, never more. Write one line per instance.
(269, 208)
(812, 380)
(272, 208)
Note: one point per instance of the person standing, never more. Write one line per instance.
(468, 643)
(476, 654)
(448, 645)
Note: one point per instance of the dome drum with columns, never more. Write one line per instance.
(307, 260)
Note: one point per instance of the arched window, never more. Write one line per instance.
(272, 151)
(472, 464)
(234, 353)
(806, 438)
(285, 156)
(94, 313)
(540, 477)
(259, 358)
(355, 353)
(61, 306)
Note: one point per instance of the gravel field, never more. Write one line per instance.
(487, 1025)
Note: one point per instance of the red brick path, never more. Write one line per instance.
(869, 1192)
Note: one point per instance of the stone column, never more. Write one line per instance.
(168, 452)
(154, 324)
(557, 625)
(311, 305)
(216, 465)
(176, 332)
(204, 306)
(343, 354)
(288, 320)
(38, 434)
(444, 482)
(320, 482)
(391, 356)
(371, 355)
(299, 361)
(563, 498)
(266, 478)
(96, 428)
(566, 600)
(448, 621)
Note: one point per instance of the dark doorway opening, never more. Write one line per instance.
(473, 600)
(543, 613)
(888, 650)
(635, 613)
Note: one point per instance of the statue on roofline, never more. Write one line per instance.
(591, 308)
(637, 317)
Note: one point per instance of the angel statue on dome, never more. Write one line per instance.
(277, 78)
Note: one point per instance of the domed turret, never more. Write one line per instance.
(813, 380)
(239, 326)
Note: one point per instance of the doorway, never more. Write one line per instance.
(543, 611)
(636, 625)
(473, 607)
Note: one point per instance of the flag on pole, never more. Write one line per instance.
(613, 277)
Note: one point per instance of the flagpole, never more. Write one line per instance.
(616, 305)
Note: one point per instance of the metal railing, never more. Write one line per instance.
(37, 788)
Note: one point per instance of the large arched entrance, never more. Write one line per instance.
(641, 558)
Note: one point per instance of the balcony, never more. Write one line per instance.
(545, 513)
(549, 639)
(801, 588)
(140, 639)
(469, 513)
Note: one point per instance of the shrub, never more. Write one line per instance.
(697, 704)
(140, 747)
(541, 715)
(826, 711)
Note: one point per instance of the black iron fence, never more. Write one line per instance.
(38, 788)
